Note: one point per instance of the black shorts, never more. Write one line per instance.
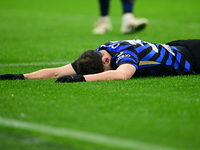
(193, 49)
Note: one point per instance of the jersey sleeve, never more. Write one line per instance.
(127, 57)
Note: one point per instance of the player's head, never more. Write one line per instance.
(90, 62)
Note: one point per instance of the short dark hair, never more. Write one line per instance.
(89, 62)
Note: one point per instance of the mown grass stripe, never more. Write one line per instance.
(33, 64)
(81, 135)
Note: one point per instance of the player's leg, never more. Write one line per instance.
(130, 24)
(127, 6)
(104, 7)
(103, 25)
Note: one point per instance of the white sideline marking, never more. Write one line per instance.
(81, 135)
(34, 64)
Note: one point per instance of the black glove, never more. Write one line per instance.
(11, 76)
(73, 78)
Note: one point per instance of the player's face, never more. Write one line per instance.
(107, 67)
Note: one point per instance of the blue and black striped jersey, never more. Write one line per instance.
(148, 58)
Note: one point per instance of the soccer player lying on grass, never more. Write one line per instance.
(121, 60)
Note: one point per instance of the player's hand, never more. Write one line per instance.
(11, 76)
(71, 78)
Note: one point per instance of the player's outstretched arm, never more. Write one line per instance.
(123, 72)
(42, 74)
(51, 73)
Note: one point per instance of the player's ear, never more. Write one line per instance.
(105, 60)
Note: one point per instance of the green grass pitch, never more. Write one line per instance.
(137, 114)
